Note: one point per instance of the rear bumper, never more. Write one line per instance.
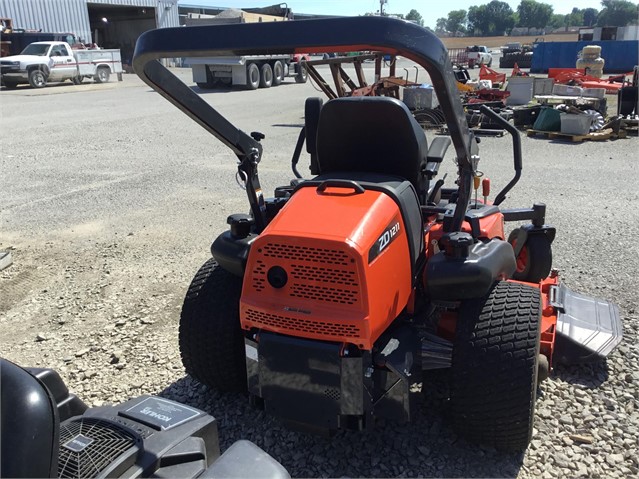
(308, 382)
(319, 385)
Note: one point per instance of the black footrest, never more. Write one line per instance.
(588, 329)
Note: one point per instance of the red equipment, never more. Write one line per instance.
(328, 301)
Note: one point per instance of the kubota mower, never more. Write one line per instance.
(329, 299)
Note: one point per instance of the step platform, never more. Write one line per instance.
(588, 328)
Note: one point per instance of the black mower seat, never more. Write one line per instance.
(371, 134)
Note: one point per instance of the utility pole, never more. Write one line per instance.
(381, 7)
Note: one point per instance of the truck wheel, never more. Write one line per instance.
(490, 63)
(302, 73)
(210, 336)
(534, 261)
(37, 79)
(495, 366)
(278, 73)
(252, 76)
(102, 75)
(266, 76)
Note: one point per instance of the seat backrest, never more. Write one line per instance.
(29, 425)
(371, 134)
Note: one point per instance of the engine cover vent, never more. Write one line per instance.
(88, 446)
(306, 253)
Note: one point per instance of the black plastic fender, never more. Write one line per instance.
(452, 279)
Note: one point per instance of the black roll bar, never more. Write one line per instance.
(387, 35)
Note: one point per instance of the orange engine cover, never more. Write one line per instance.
(331, 265)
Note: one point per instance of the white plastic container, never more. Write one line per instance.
(575, 124)
(594, 92)
(566, 90)
(543, 86)
(418, 98)
(521, 90)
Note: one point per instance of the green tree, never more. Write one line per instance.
(456, 21)
(533, 14)
(576, 18)
(478, 21)
(440, 25)
(590, 16)
(414, 16)
(617, 13)
(503, 17)
(494, 18)
(557, 21)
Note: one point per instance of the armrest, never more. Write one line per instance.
(437, 149)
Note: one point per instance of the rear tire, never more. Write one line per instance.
(266, 76)
(534, 261)
(302, 73)
(102, 75)
(210, 337)
(495, 366)
(278, 73)
(252, 76)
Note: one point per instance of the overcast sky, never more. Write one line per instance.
(430, 10)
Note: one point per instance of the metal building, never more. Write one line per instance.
(109, 23)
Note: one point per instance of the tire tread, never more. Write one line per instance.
(495, 367)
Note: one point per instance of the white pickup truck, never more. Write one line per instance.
(42, 62)
(479, 55)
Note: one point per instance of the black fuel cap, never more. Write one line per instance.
(457, 244)
(240, 225)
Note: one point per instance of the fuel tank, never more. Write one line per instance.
(334, 265)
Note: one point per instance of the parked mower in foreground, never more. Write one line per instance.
(328, 300)
(46, 431)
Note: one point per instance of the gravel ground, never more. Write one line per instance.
(110, 199)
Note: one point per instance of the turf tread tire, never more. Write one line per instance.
(495, 366)
(210, 336)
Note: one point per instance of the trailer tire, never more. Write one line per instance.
(278, 73)
(534, 261)
(210, 336)
(302, 72)
(37, 78)
(252, 76)
(266, 76)
(102, 75)
(495, 366)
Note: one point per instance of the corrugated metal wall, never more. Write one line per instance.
(51, 16)
(73, 15)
